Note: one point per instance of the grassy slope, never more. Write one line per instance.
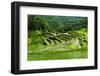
(56, 51)
(55, 55)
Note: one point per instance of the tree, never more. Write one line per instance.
(37, 23)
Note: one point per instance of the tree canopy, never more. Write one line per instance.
(56, 23)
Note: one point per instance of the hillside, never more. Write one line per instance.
(51, 36)
(69, 40)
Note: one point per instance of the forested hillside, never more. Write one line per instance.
(56, 23)
(57, 37)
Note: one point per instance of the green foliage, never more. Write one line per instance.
(70, 40)
(36, 37)
(37, 23)
(57, 55)
(56, 23)
(57, 37)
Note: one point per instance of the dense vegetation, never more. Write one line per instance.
(57, 37)
(56, 23)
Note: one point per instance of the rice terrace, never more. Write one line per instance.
(57, 37)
